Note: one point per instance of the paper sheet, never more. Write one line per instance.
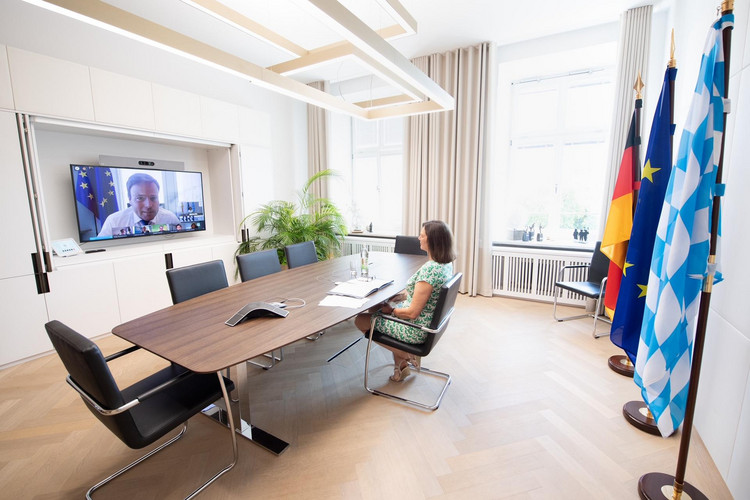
(341, 301)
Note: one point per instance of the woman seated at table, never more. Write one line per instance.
(417, 303)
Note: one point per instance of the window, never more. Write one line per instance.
(377, 175)
(551, 178)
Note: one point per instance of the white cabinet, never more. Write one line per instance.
(225, 252)
(23, 310)
(176, 111)
(50, 86)
(122, 100)
(6, 92)
(84, 297)
(24, 314)
(219, 120)
(141, 285)
(189, 256)
(15, 256)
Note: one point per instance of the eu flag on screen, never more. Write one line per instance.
(95, 190)
(626, 325)
(679, 262)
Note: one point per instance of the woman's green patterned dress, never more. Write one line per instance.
(436, 275)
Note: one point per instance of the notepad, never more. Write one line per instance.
(359, 289)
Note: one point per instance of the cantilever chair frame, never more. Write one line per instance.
(599, 298)
(446, 377)
(142, 397)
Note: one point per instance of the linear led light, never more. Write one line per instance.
(384, 59)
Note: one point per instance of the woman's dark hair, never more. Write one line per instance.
(439, 241)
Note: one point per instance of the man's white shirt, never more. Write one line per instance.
(128, 218)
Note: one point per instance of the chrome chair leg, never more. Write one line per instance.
(156, 450)
(432, 407)
(272, 356)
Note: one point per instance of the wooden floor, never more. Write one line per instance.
(533, 412)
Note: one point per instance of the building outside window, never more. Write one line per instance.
(377, 175)
(551, 175)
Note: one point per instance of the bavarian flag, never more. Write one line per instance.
(620, 219)
(626, 325)
(679, 263)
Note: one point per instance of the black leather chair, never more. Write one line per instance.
(300, 254)
(193, 281)
(255, 265)
(147, 410)
(408, 245)
(442, 315)
(593, 287)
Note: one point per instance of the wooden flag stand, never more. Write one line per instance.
(621, 364)
(656, 485)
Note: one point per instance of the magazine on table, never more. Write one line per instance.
(359, 289)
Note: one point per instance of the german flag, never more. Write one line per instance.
(620, 218)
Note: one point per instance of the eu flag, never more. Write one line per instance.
(679, 262)
(95, 192)
(626, 325)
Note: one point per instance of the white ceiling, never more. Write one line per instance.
(441, 25)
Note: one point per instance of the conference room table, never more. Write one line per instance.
(193, 333)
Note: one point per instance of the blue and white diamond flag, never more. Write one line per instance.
(680, 258)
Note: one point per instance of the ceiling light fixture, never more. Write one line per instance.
(420, 93)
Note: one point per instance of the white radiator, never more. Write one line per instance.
(531, 273)
(516, 272)
(353, 244)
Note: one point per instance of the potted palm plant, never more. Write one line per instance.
(280, 223)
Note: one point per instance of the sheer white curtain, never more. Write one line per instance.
(317, 143)
(633, 47)
(448, 160)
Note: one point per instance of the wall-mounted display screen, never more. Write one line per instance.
(120, 202)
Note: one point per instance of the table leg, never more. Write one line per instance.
(243, 426)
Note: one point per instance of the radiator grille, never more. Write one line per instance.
(532, 274)
(521, 273)
(353, 245)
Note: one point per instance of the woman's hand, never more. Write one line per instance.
(399, 297)
(386, 309)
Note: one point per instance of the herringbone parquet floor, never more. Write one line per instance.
(533, 413)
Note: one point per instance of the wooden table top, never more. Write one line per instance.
(193, 333)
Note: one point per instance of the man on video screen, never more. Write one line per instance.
(144, 210)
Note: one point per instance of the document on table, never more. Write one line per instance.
(342, 301)
(359, 289)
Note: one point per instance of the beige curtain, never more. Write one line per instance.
(635, 40)
(317, 146)
(448, 159)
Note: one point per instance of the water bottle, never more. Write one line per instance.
(364, 271)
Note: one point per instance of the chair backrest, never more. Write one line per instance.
(599, 265)
(443, 308)
(446, 299)
(300, 254)
(192, 281)
(408, 245)
(88, 369)
(257, 264)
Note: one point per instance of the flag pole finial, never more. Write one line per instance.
(638, 87)
(727, 5)
(672, 60)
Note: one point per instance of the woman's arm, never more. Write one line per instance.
(422, 291)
